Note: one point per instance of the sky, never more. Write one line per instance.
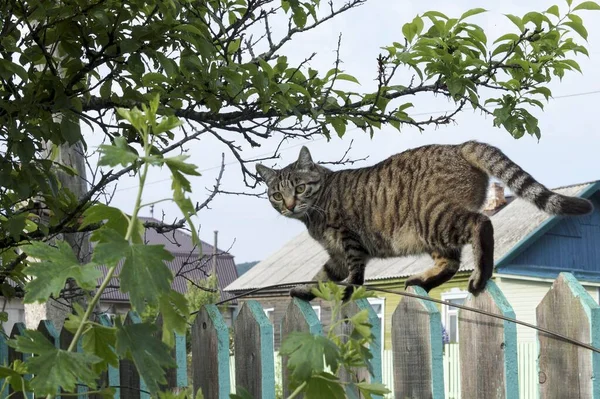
(251, 229)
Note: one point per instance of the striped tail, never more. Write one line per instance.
(493, 161)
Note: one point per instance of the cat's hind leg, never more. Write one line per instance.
(449, 226)
(446, 264)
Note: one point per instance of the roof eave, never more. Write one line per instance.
(544, 227)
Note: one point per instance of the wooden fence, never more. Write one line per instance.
(487, 350)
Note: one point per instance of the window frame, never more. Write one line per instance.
(454, 293)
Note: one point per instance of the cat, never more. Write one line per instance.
(423, 200)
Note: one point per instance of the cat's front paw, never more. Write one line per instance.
(302, 292)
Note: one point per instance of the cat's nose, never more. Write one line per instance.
(290, 205)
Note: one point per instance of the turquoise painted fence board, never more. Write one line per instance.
(3, 360)
(19, 329)
(568, 309)
(488, 341)
(417, 348)
(376, 345)
(255, 365)
(181, 360)
(113, 376)
(299, 317)
(210, 354)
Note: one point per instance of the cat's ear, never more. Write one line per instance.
(267, 174)
(305, 160)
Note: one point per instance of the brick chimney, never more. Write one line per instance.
(495, 197)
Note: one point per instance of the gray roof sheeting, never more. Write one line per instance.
(301, 258)
(188, 264)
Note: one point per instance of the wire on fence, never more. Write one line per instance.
(425, 298)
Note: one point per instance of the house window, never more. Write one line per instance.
(450, 313)
(377, 305)
(317, 310)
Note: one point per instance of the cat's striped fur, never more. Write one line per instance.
(424, 200)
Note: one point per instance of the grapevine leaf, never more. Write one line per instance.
(68, 368)
(52, 267)
(149, 354)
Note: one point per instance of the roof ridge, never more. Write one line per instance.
(577, 184)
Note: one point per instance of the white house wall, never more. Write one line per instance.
(524, 296)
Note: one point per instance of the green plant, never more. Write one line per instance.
(315, 362)
(170, 62)
(143, 275)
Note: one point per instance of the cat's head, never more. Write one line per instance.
(293, 189)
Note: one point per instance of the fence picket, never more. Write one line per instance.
(568, 309)
(345, 329)
(254, 360)
(417, 348)
(13, 354)
(3, 361)
(112, 376)
(488, 347)
(299, 317)
(210, 354)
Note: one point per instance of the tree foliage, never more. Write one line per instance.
(151, 76)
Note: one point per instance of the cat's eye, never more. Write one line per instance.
(277, 196)
(300, 189)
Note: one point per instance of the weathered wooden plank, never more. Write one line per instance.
(13, 354)
(417, 348)
(488, 348)
(566, 370)
(253, 345)
(345, 330)
(210, 353)
(299, 317)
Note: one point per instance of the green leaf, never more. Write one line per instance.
(517, 21)
(435, 14)
(369, 389)
(307, 353)
(100, 341)
(587, 5)
(145, 276)
(543, 91)
(139, 343)
(577, 27)
(409, 30)
(113, 218)
(175, 312)
(67, 368)
(299, 17)
(553, 10)
(177, 163)
(344, 76)
(70, 129)
(52, 268)
(13, 377)
(472, 12)
(339, 125)
(117, 154)
(324, 385)
(513, 37)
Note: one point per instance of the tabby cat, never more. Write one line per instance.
(424, 200)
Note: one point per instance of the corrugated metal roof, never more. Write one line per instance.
(301, 258)
(187, 265)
